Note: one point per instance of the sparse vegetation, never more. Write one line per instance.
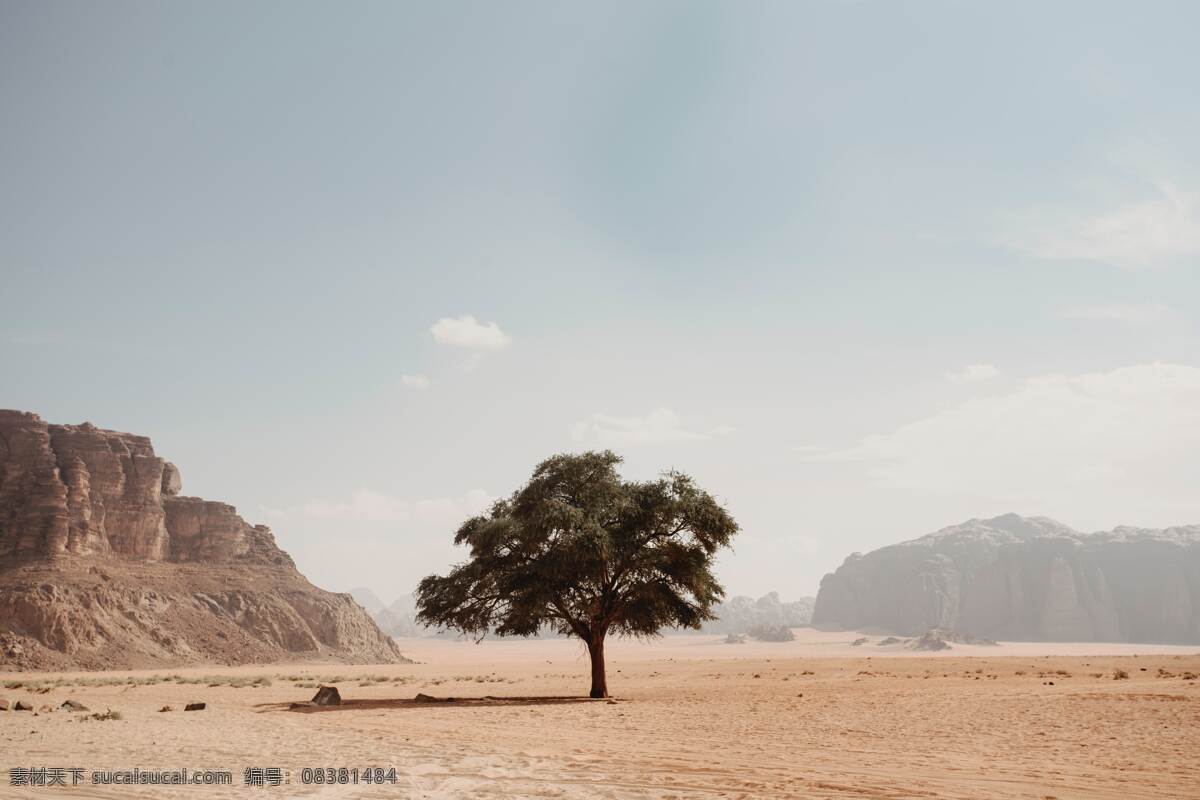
(235, 681)
(232, 681)
(100, 717)
(1120, 675)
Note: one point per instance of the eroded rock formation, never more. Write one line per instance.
(103, 564)
(1025, 579)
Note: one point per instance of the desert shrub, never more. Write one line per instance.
(1120, 675)
(772, 633)
(104, 717)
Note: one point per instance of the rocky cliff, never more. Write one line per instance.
(1025, 579)
(104, 565)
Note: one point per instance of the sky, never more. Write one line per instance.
(862, 269)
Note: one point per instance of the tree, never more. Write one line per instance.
(585, 553)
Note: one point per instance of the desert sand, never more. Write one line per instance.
(692, 717)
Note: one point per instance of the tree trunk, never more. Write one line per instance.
(596, 651)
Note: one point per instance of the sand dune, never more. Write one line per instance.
(693, 717)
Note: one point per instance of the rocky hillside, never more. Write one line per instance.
(104, 565)
(1025, 579)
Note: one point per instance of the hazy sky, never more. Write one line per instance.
(864, 269)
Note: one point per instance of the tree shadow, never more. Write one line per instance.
(425, 702)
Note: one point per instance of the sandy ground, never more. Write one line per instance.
(693, 718)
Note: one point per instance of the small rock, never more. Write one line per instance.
(165, 708)
(21, 705)
(612, 702)
(46, 709)
(327, 696)
(424, 698)
(74, 705)
(4, 704)
(195, 706)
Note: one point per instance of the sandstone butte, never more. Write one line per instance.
(104, 565)
(1025, 579)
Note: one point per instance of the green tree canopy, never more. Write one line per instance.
(586, 553)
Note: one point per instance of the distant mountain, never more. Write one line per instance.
(400, 618)
(741, 614)
(1025, 579)
(737, 615)
(367, 599)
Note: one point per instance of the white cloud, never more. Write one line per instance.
(1139, 234)
(470, 334)
(659, 426)
(1119, 313)
(1130, 435)
(367, 505)
(415, 381)
(364, 504)
(973, 373)
(477, 501)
